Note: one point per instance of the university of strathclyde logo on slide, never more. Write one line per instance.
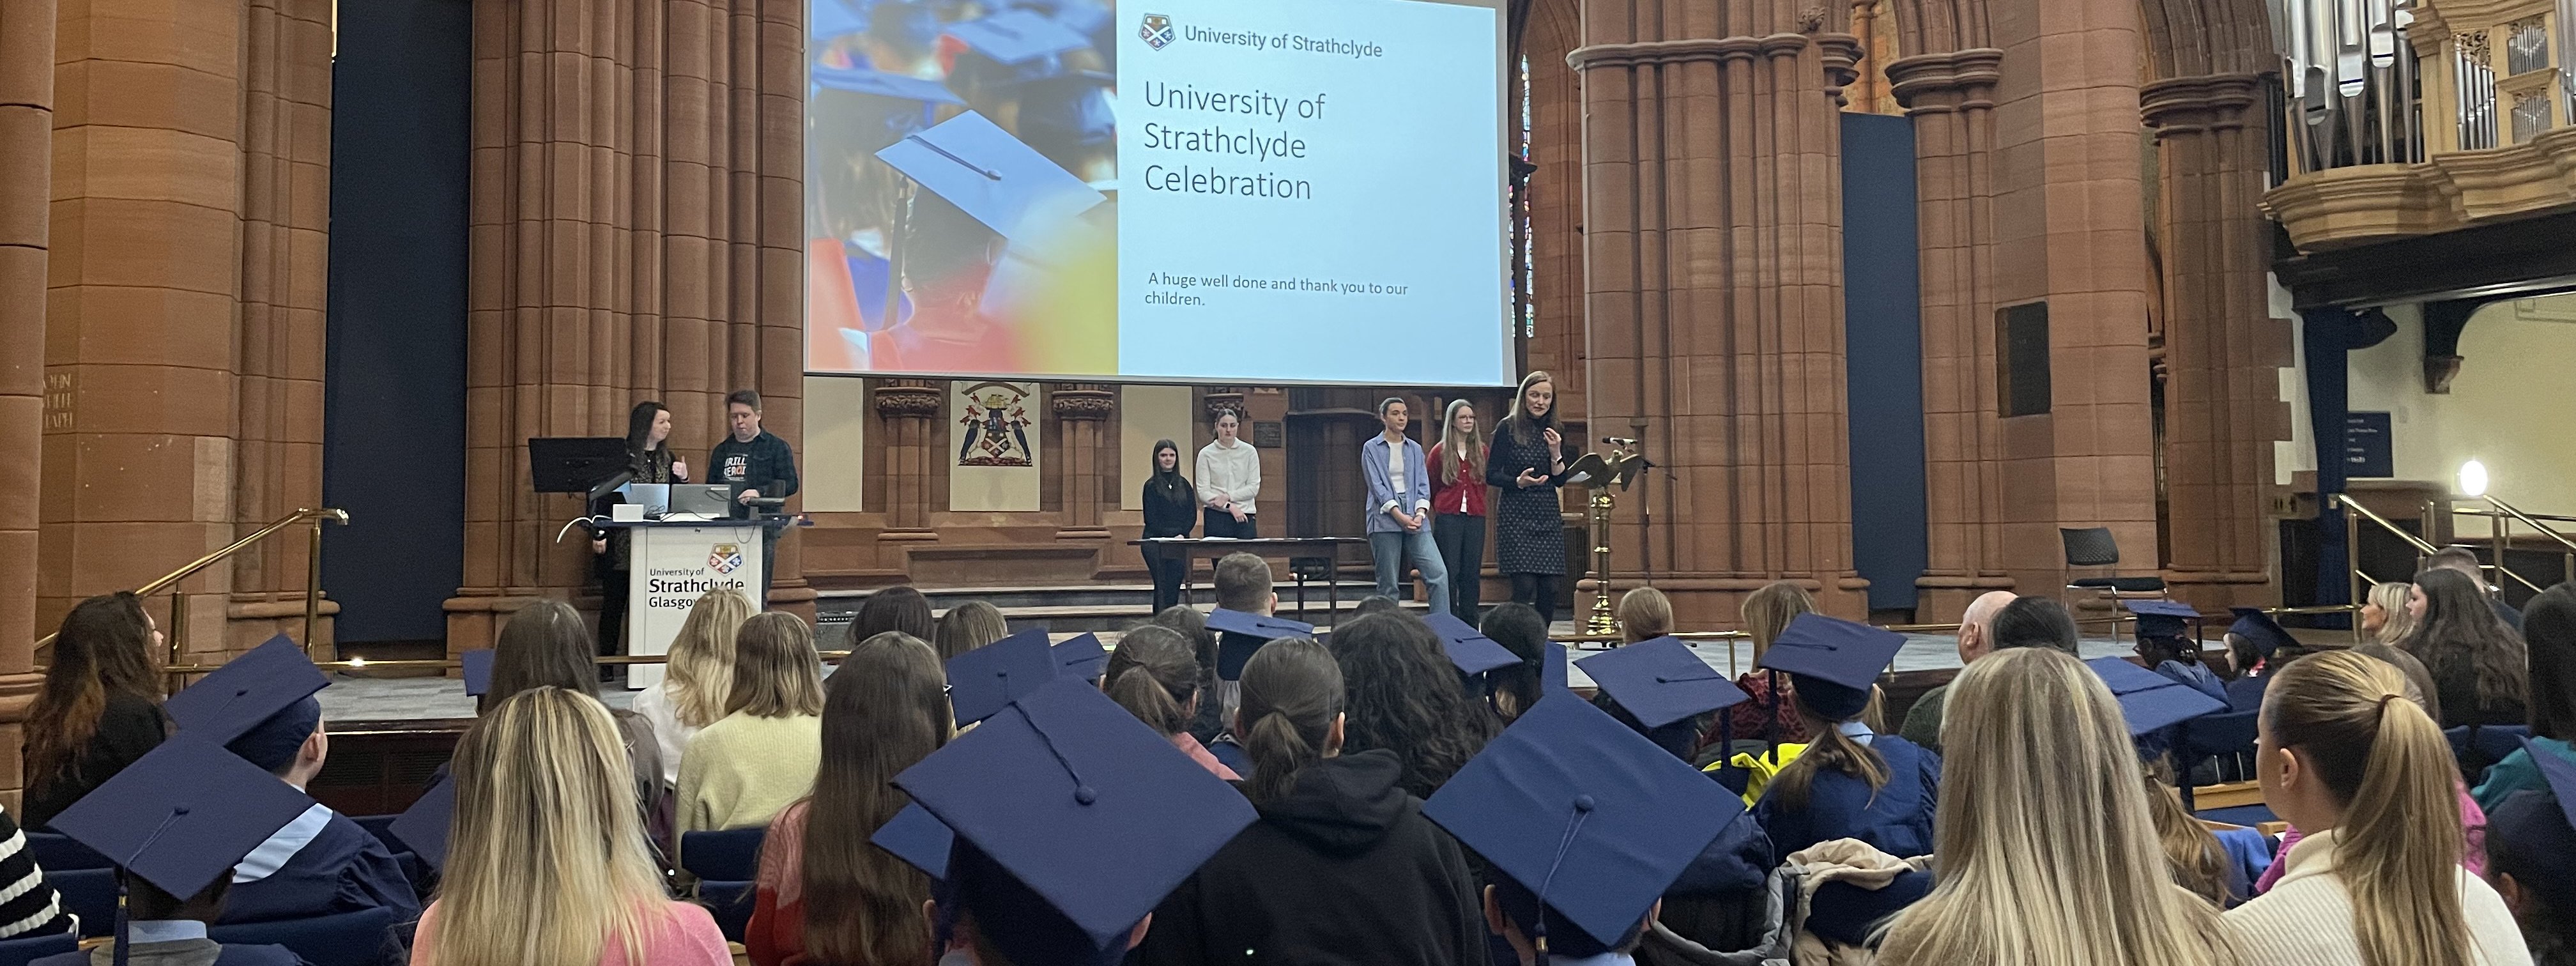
(725, 557)
(1157, 31)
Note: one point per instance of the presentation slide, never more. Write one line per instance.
(1280, 191)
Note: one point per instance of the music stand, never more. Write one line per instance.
(574, 464)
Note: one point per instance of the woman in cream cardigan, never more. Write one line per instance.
(763, 753)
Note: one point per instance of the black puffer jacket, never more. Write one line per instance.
(1344, 869)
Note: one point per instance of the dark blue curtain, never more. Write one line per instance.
(1883, 357)
(2329, 335)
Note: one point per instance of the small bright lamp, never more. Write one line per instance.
(2473, 478)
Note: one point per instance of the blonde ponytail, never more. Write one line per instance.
(2397, 846)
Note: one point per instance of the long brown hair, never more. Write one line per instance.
(2549, 627)
(883, 711)
(1154, 674)
(897, 608)
(1292, 692)
(968, 626)
(1830, 748)
(543, 646)
(1462, 455)
(2460, 635)
(2199, 862)
(103, 650)
(776, 672)
(2397, 847)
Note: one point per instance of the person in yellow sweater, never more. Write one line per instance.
(762, 755)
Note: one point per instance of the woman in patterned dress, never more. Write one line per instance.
(1527, 458)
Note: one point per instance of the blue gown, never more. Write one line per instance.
(2246, 694)
(344, 868)
(2197, 676)
(1896, 820)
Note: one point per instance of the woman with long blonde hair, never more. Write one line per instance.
(1458, 505)
(2344, 757)
(2047, 855)
(546, 862)
(700, 676)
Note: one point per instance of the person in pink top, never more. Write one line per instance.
(546, 861)
(1154, 674)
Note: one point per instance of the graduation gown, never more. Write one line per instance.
(344, 868)
(1896, 820)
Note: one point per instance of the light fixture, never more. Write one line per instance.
(2473, 478)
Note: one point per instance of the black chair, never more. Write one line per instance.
(731, 905)
(725, 864)
(2094, 547)
(89, 894)
(27, 949)
(362, 938)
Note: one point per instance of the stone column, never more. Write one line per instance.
(910, 411)
(1950, 98)
(1081, 410)
(2223, 348)
(26, 150)
(1712, 228)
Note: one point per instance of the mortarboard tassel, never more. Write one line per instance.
(1583, 806)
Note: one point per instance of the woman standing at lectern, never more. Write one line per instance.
(1526, 459)
(1229, 477)
(648, 456)
(1168, 499)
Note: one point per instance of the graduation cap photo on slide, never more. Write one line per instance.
(984, 680)
(2259, 630)
(1661, 681)
(993, 177)
(877, 83)
(181, 817)
(1073, 821)
(2150, 701)
(1081, 658)
(917, 837)
(233, 699)
(1016, 37)
(424, 825)
(1588, 821)
(2163, 618)
(1833, 661)
(1239, 634)
(477, 670)
(1467, 647)
(828, 20)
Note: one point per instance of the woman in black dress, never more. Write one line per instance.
(648, 456)
(1171, 509)
(1526, 460)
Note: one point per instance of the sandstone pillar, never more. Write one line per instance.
(26, 148)
(2222, 346)
(910, 411)
(1082, 410)
(1712, 228)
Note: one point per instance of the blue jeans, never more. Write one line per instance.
(1392, 550)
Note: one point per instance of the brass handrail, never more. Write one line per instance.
(178, 630)
(2567, 557)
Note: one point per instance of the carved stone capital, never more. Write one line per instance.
(1842, 53)
(1084, 401)
(1936, 83)
(1650, 52)
(2186, 105)
(908, 399)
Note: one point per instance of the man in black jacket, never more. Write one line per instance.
(758, 465)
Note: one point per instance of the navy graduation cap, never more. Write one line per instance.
(983, 680)
(181, 817)
(991, 176)
(1467, 647)
(1073, 821)
(1239, 634)
(1552, 676)
(2162, 618)
(1832, 661)
(238, 696)
(478, 671)
(2260, 630)
(2150, 701)
(1590, 819)
(2535, 829)
(1661, 681)
(918, 838)
(1081, 658)
(1015, 37)
(860, 80)
(424, 825)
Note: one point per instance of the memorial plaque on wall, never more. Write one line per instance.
(1269, 435)
(2368, 450)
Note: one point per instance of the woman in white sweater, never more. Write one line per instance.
(692, 694)
(1229, 476)
(2342, 754)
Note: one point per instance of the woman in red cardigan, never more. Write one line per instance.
(1458, 505)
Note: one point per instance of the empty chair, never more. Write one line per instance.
(361, 938)
(732, 855)
(2094, 547)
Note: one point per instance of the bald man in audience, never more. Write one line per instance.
(1976, 640)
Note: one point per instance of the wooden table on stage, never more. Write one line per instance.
(1192, 548)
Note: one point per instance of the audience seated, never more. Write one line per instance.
(825, 895)
(1243, 586)
(2378, 878)
(1513, 689)
(1155, 675)
(1192, 626)
(1403, 697)
(2477, 661)
(1768, 717)
(546, 645)
(545, 861)
(2200, 863)
(99, 707)
(1850, 782)
(1976, 639)
(899, 608)
(763, 754)
(2463, 561)
(2473, 819)
(968, 626)
(2257, 645)
(2165, 647)
(2530, 844)
(1644, 614)
(2384, 615)
(2419, 679)
(1376, 604)
(2549, 626)
(698, 678)
(321, 863)
(2047, 856)
(1342, 865)
(31, 907)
